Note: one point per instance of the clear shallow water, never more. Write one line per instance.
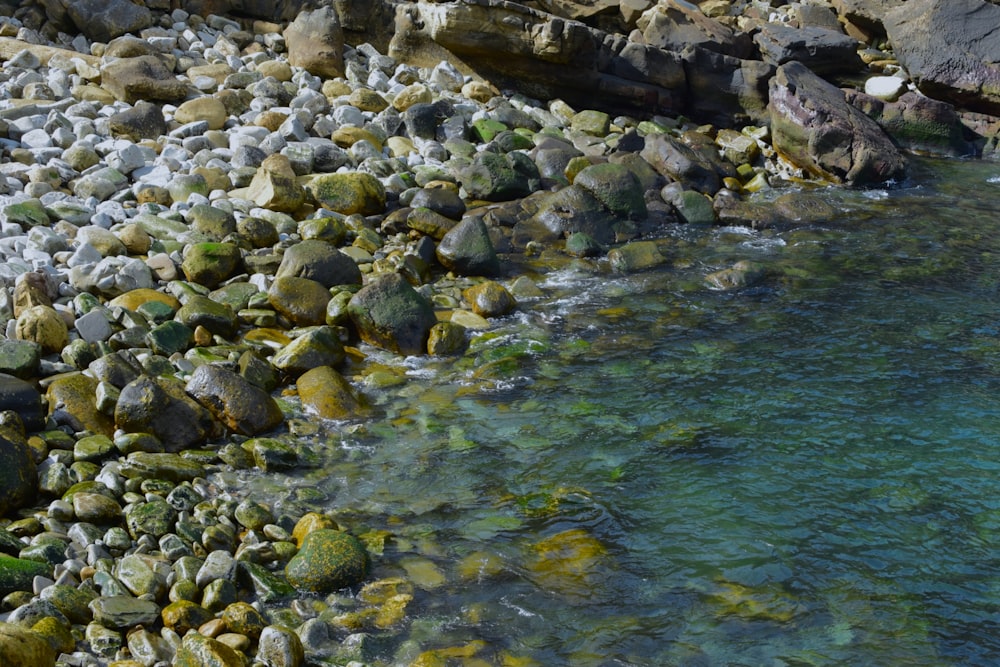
(638, 470)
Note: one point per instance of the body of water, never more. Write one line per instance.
(641, 470)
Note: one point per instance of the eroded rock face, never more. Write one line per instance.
(951, 48)
(545, 55)
(814, 127)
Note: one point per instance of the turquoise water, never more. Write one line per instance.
(651, 472)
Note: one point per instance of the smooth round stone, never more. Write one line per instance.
(243, 619)
(208, 109)
(887, 88)
(96, 508)
(119, 612)
(280, 647)
(184, 615)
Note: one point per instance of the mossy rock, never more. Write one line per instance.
(616, 187)
(18, 475)
(20, 647)
(328, 561)
(16, 574)
(209, 264)
(354, 192)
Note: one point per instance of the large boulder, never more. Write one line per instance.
(240, 405)
(822, 50)
(315, 42)
(160, 406)
(318, 260)
(950, 49)
(673, 158)
(144, 78)
(71, 400)
(23, 398)
(103, 20)
(466, 249)
(18, 477)
(389, 313)
(917, 123)
(545, 56)
(673, 25)
(20, 647)
(815, 128)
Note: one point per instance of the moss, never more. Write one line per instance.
(328, 561)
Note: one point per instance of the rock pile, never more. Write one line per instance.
(196, 211)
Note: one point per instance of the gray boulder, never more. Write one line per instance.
(815, 128)
(496, 177)
(23, 398)
(143, 78)
(821, 50)
(917, 123)
(103, 20)
(671, 157)
(161, 407)
(950, 49)
(568, 211)
(319, 261)
(466, 249)
(18, 476)
(390, 314)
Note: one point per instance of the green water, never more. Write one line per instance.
(651, 472)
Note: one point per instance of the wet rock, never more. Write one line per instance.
(144, 78)
(160, 465)
(209, 264)
(447, 339)
(636, 256)
(814, 127)
(280, 647)
(616, 187)
(22, 398)
(301, 300)
(670, 157)
(120, 612)
(489, 299)
(444, 201)
(948, 48)
(917, 123)
(742, 274)
(17, 574)
(495, 177)
(184, 615)
(568, 211)
(20, 647)
(161, 407)
(315, 42)
(327, 561)
(467, 249)
(319, 261)
(349, 193)
(270, 454)
(201, 311)
(72, 400)
(317, 346)
(324, 392)
(241, 406)
(389, 313)
(199, 651)
(822, 50)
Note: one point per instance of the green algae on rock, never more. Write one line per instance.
(328, 560)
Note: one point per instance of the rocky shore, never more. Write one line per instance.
(212, 212)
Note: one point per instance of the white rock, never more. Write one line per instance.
(887, 88)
